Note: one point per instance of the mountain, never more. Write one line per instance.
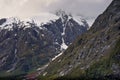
(26, 46)
(95, 55)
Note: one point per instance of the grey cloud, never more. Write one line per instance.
(90, 8)
(22, 8)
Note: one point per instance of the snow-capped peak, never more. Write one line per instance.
(40, 19)
(67, 16)
(63, 15)
(44, 18)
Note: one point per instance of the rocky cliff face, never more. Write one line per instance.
(94, 54)
(26, 46)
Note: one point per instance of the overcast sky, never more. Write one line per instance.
(28, 8)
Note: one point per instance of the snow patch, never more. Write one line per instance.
(56, 43)
(90, 21)
(44, 73)
(15, 34)
(59, 60)
(40, 27)
(42, 35)
(41, 68)
(8, 23)
(63, 33)
(63, 45)
(57, 56)
(78, 19)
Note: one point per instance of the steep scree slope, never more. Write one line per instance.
(95, 54)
